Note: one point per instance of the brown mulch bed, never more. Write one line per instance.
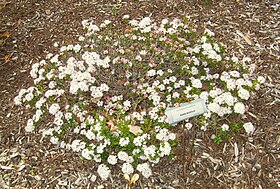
(28, 30)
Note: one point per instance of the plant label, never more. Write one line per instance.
(185, 111)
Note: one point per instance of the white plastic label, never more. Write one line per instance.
(185, 111)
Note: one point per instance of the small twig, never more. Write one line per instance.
(54, 179)
(275, 95)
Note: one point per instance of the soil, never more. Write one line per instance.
(28, 30)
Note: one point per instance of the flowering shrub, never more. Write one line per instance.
(105, 96)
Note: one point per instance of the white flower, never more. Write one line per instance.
(196, 83)
(112, 159)
(90, 135)
(126, 16)
(54, 59)
(144, 22)
(97, 158)
(196, 49)
(77, 145)
(164, 21)
(150, 151)
(52, 84)
(228, 98)
(124, 141)
(161, 87)
(143, 52)
(77, 48)
(234, 73)
(127, 103)
(100, 149)
(54, 140)
(81, 38)
(144, 169)
(239, 108)
(216, 47)
(214, 93)
(53, 109)
(243, 94)
(133, 22)
(239, 82)
(87, 154)
(182, 82)
(33, 73)
(249, 128)
(225, 76)
(261, 79)
(30, 126)
(68, 116)
(162, 134)
(188, 126)
(231, 84)
(208, 32)
(172, 79)
(127, 168)
(37, 115)
(138, 141)
(248, 82)
(29, 96)
(93, 28)
(123, 156)
(204, 95)
(165, 149)
(214, 107)
(17, 100)
(103, 171)
(172, 136)
(207, 47)
(147, 29)
(194, 70)
(151, 73)
(225, 127)
(165, 81)
(176, 95)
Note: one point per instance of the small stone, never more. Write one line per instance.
(175, 182)
(48, 12)
(258, 166)
(93, 178)
(62, 182)
(37, 177)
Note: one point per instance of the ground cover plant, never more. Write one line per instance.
(105, 97)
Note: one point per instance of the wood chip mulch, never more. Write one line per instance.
(28, 30)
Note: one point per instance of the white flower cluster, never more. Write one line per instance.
(144, 169)
(82, 91)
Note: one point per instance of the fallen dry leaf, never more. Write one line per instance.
(112, 126)
(19, 21)
(8, 58)
(246, 38)
(4, 3)
(5, 34)
(134, 178)
(131, 181)
(135, 130)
